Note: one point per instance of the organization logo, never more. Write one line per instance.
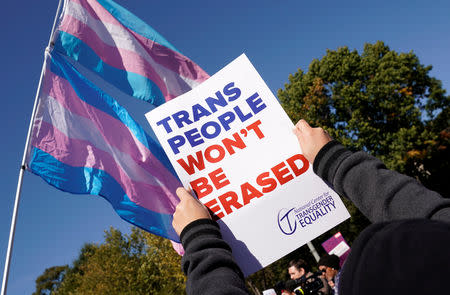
(314, 211)
(286, 221)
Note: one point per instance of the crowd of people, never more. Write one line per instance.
(304, 281)
(404, 251)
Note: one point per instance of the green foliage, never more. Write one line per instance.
(139, 263)
(379, 101)
(429, 160)
(50, 280)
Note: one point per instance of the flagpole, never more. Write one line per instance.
(313, 251)
(23, 165)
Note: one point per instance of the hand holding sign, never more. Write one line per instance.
(311, 139)
(231, 141)
(189, 209)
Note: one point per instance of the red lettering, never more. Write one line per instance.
(229, 199)
(189, 168)
(255, 127)
(215, 209)
(218, 148)
(283, 175)
(218, 178)
(237, 142)
(249, 192)
(268, 183)
(298, 171)
(201, 187)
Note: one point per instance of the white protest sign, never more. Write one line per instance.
(231, 141)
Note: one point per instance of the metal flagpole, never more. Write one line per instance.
(313, 251)
(23, 165)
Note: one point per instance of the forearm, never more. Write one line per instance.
(379, 193)
(207, 263)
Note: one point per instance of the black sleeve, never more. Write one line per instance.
(207, 262)
(381, 194)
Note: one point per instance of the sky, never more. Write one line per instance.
(277, 36)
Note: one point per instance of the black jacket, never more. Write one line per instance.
(207, 262)
(380, 194)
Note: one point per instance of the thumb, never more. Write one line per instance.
(302, 125)
(183, 194)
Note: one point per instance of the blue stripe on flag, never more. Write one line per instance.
(94, 96)
(134, 23)
(130, 83)
(84, 180)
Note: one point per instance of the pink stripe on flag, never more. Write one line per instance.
(172, 60)
(113, 132)
(164, 56)
(115, 56)
(85, 130)
(50, 140)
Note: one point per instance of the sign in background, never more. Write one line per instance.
(230, 140)
(338, 246)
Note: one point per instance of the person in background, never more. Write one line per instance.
(289, 288)
(408, 219)
(329, 265)
(298, 269)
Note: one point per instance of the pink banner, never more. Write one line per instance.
(337, 245)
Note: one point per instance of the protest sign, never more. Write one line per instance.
(338, 246)
(231, 141)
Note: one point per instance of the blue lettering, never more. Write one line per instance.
(176, 142)
(165, 123)
(198, 111)
(193, 136)
(302, 223)
(320, 213)
(212, 102)
(213, 124)
(241, 116)
(255, 103)
(232, 93)
(307, 222)
(225, 119)
(180, 117)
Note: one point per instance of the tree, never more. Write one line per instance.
(379, 101)
(139, 263)
(73, 275)
(429, 161)
(50, 280)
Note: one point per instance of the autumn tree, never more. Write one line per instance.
(139, 263)
(380, 101)
(50, 280)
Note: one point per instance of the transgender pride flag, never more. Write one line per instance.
(83, 140)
